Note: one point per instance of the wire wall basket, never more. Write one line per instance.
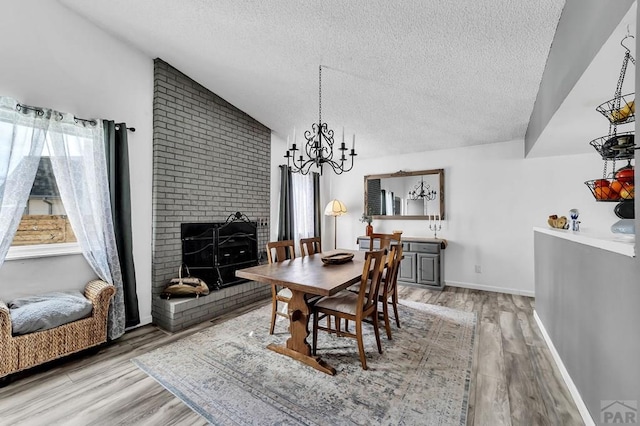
(611, 189)
(615, 147)
(619, 110)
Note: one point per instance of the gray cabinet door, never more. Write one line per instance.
(407, 270)
(428, 269)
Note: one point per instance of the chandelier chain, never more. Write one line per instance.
(320, 95)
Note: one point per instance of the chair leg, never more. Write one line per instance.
(363, 359)
(394, 299)
(376, 331)
(315, 332)
(274, 308)
(385, 314)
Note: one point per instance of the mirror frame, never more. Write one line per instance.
(401, 173)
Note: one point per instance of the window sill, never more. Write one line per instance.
(43, 250)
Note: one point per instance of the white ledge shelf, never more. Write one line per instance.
(42, 250)
(618, 243)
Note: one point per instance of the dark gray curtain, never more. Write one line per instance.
(317, 209)
(285, 218)
(117, 148)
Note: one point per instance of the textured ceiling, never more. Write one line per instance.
(405, 76)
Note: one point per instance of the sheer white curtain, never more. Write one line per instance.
(303, 206)
(388, 200)
(22, 132)
(79, 165)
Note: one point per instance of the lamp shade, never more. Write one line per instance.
(335, 208)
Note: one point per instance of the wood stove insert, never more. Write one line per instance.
(213, 251)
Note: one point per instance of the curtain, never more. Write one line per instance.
(317, 208)
(383, 202)
(23, 131)
(285, 217)
(388, 199)
(117, 158)
(79, 165)
(303, 196)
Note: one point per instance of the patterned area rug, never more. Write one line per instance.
(226, 374)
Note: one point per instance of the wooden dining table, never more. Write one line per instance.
(306, 277)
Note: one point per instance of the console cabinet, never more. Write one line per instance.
(423, 262)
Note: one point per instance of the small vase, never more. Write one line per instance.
(369, 230)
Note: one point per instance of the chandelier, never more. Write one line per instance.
(318, 148)
(422, 191)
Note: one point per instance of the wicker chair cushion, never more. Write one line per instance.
(36, 313)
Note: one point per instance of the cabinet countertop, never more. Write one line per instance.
(443, 243)
(617, 243)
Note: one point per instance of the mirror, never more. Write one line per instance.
(405, 195)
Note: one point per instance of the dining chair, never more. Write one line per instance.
(388, 293)
(279, 251)
(360, 307)
(310, 246)
(385, 240)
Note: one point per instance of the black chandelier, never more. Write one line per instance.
(319, 146)
(422, 191)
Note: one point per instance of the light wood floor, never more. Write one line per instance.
(514, 381)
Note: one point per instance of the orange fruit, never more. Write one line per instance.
(616, 185)
(604, 193)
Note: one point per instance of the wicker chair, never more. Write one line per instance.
(28, 350)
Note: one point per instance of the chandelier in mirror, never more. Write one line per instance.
(318, 148)
(422, 191)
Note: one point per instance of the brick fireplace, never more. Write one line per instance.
(209, 160)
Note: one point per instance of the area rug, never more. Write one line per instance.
(226, 374)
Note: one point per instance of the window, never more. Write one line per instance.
(303, 206)
(44, 220)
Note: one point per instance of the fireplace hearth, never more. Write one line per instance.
(214, 251)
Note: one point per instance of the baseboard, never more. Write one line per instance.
(474, 286)
(582, 408)
(143, 321)
(146, 320)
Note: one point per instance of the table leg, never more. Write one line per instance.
(297, 346)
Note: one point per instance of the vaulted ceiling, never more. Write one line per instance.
(405, 76)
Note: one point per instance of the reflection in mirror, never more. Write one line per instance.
(405, 195)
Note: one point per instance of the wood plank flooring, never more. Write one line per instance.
(514, 379)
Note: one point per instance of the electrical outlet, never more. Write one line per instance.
(478, 269)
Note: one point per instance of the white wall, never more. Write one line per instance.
(38, 206)
(53, 58)
(493, 199)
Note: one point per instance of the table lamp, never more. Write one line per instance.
(335, 208)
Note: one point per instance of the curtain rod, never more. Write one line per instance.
(131, 129)
(39, 111)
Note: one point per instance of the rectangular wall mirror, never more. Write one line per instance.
(405, 195)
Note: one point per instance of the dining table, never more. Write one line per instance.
(306, 277)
